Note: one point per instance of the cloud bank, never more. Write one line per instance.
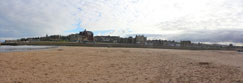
(196, 20)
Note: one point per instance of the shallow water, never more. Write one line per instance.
(22, 48)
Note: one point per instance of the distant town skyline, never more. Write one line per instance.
(211, 21)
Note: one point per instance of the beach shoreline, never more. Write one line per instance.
(19, 48)
(121, 65)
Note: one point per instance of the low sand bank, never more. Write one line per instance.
(120, 65)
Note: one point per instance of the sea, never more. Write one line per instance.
(5, 48)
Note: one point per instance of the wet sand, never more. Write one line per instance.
(121, 65)
(7, 48)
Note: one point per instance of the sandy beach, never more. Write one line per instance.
(121, 65)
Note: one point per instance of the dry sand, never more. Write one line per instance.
(121, 65)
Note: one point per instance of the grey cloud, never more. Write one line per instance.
(223, 24)
(24, 18)
(219, 22)
(213, 36)
(227, 15)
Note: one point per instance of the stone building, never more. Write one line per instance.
(55, 38)
(75, 37)
(107, 39)
(86, 36)
(186, 43)
(129, 40)
(162, 43)
(140, 39)
(10, 41)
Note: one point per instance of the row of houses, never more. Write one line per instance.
(142, 40)
(88, 36)
(84, 36)
(139, 39)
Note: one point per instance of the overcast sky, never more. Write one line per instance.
(213, 21)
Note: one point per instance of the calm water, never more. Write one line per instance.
(22, 48)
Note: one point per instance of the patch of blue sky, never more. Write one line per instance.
(99, 14)
(129, 30)
(135, 1)
(80, 9)
(102, 32)
(77, 29)
(1, 40)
